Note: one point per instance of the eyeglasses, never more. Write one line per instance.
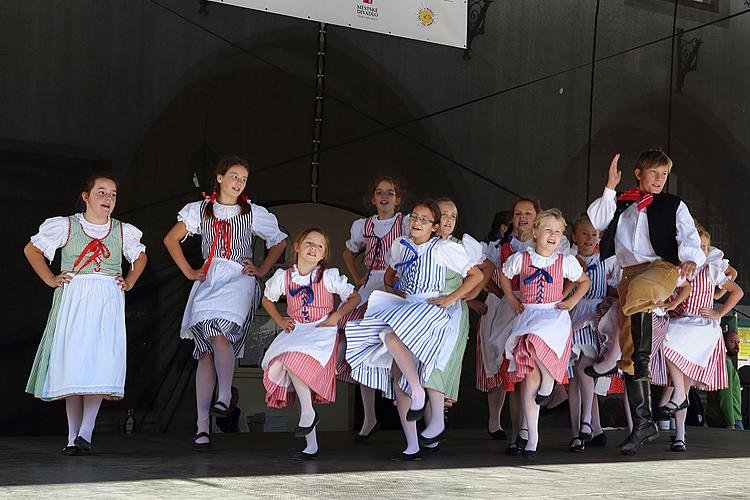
(422, 219)
(389, 194)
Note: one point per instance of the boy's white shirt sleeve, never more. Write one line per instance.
(266, 226)
(53, 233)
(688, 241)
(275, 286)
(356, 242)
(190, 215)
(602, 210)
(338, 284)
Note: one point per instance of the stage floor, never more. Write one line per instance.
(469, 465)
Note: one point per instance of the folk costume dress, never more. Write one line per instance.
(83, 348)
(541, 324)
(421, 326)
(374, 237)
(448, 380)
(225, 302)
(308, 351)
(695, 343)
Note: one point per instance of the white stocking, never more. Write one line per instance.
(529, 390)
(74, 411)
(407, 364)
(224, 363)
(403, 403)
(368, 405)
(547, 381)
(678, 381)
(436, 419)
(205, 380)
(91, 406)
(586, 386)
(304, 395)
(517, 416)
(596, 424)
(495, 401)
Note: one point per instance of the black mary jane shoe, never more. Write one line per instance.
(521, 442)
(598, 440)
(301, 456)
(82, 445)
(361, 438)
(424, 441)
(586, 436)
(219, 409)
(413, 415)
(530, 454)
(543, 400)
(408, 457)
(432, 450)
(576, 448)
(71, 451)
(201, 446)
(498, 435)
(304, 431)
(678, 446)
(589, 370)
(671, 407)
(512, 450)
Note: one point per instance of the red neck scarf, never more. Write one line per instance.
(641, 198)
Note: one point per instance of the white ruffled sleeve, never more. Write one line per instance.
(132, 247)
(717, 272)
(190, 215)
(276, 286)
(356, 243)
(266, 226)
(53, 234)
(453, 256)
(335, 283)
(512, 265)
(473, 249)
(396, 254)
(572, 269)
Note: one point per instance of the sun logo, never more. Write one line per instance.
(426, 16)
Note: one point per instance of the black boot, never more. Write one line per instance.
(644, 429)
(640, 330)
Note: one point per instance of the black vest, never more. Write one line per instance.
(662, 227)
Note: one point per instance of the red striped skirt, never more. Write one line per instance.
(558, 367)
(483, 382)
(711, 377)
(320, 379)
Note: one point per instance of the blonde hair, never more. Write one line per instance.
(550, 212)
(702, 232)
(653, 158)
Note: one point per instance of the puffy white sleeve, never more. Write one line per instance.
(453, 256)
(512, 265)
(492, 252)
(602, 210)
(688, 241)
(132, 247)
(190, 215)
(614, 271)
(572, 269)
(266, 226)
(53, 234)
(473, 249)
(356, 242)
(276, 286)
(335, 283)
(396, 254)
(717, 272)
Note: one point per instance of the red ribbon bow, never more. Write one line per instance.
(223, 232)
(97, 249)
(641, 198)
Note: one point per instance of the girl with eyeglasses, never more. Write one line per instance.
(396, 347)
(371, 238)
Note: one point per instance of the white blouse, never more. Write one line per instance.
(447, 253)
(572, 269)
(264, 223)
(53, 234)
(717, 267)
(381, 227)
(332, 280)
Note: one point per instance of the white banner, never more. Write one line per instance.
(436, 21)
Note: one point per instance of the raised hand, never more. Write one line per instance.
(614, 175)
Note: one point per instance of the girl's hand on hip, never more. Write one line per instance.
(60, 280)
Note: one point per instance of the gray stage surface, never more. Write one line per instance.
(469, 465)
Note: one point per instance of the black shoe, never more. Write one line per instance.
(432, 449)
(413, 415)
(586, 436)
(498, 435)
(71, 451)
(598, 440)
(408, 457)
(201, 446)
(638, 438)
(424, 441)
(304, 431)
(361, 438)
(512, 450)
(521, 442)
(82, 445)
(576, 448)
(219, 409)
(589, 370)
(544, 400)
(531, 454)
(671, 408)
(301, 456)
(678, 446)
(640, 331)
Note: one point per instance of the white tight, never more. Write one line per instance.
(580, 397)
(82, 412)
(495, 402)
(219, 365)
